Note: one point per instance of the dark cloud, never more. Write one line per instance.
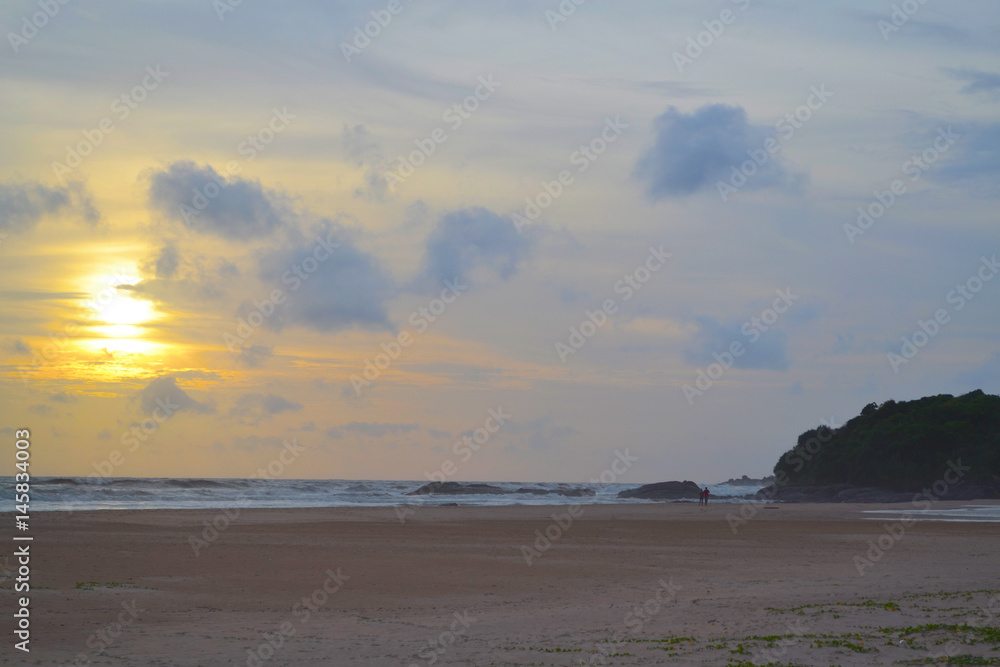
(977, 81)
(63, 397)
(346, 289)
(16, 346)
(973, 160)
(770, 351)
(240, 209)
(692, 152)
(371, 429)
(166, 262)
(263, 405)
(178, 281)
(474, 238)
(254, 356)
(164, 393)
(23, 205)
(40, 409)
(105, 434)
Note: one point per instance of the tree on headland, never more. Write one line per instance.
(901, 446)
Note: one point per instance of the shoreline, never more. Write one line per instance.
(641, 507)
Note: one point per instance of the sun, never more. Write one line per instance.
(117, 321)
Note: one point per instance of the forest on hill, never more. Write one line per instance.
(901, 446)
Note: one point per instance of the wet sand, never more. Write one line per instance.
(617, 585)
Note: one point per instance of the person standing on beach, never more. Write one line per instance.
(705, 496)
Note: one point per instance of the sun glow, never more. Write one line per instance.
(117, 322)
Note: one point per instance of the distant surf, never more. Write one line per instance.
(132, 493)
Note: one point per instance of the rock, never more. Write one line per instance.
(664, 491)
(750, 481)
(456, 489)
(472, 488)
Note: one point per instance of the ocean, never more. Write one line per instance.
(132, 493)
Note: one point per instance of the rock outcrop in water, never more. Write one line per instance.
(476, 489)
(664, 491)
(750, 481)
(456, 489)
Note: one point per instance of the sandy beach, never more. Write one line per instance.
(616, 585)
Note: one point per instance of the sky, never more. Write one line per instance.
(499, 240)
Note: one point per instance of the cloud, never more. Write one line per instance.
(40, 409)
(974, 159)
(474, 238)
(16, 346)
(692, 152)
(331, 284)
(163, 391)
(263, 405)
(24, 205)
(254, 356)
(63, 397)
(105, 434)
(165, 264)
(371, 429)
(358, 143)
(978, 81)
(241, 210)
(770, 351)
